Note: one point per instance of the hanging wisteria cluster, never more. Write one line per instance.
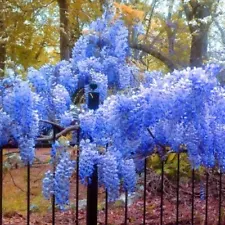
(185, 108)
(59, 182)
(19, 118)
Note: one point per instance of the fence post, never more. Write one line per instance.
(92, 189)
(53, 171)
(28, 192)
(77, 176)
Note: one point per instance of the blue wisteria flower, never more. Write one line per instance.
(66, 119)
(128, 173)
(66, 76)
(48, 185)
(63, 173)
(38, 80)
(89, 157)
(104, 50)
(61, 100)
(19, 104)
(109, 175)
(58, 182)
(5, 128)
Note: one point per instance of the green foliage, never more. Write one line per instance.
(119, 203)
(170, 164)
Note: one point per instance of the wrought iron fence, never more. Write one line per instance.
(92, 191)
(92, 197)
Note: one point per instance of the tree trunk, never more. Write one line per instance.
(102, 5)
(199, 46)
(2, 57)
(64, 30)
(199, 43)
(2, 41)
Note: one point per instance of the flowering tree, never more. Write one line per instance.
(179, 109)
(101, 57)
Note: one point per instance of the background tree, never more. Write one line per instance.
(27, 33)
(33, 33)
(74, 15)
(177, 32)
(2, 38)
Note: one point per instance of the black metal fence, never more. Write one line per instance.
(92, 192)
(92, 197)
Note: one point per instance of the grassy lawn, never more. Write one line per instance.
(15, 187)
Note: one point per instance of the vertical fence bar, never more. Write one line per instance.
(106, 198)
(28, 193)
(220, 197)
(1, 184)
(77, 190)
(106, 207)
(77, 177)
(92, 189)
(53, 168)
(126, 207)
(206, 198)
(145, 184)
(192, 196)
(92, 199)
(178, 185)
(162, 192)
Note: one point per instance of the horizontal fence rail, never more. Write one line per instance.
(92, 196)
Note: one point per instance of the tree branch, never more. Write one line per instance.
(155, 53)
(62, 133)
(150, 18)
(221, 30)
(53, 124)
(188, 12)
(17, 186)
(194, 4)
(13, 144)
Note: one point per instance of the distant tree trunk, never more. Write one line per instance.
(64, 30)
(199, 46)
(102, 5)
(196, 12)
(199, 43)
(2, 56)
(2, 40)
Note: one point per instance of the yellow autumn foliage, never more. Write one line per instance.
(32, 29)
(129, 14)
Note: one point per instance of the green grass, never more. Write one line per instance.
(14, 192)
